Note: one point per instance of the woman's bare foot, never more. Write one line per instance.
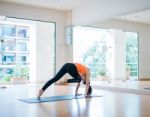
(40, 93)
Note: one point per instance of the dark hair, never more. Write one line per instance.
(84, 82)
(89, 91)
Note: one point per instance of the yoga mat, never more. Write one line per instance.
(55, 98)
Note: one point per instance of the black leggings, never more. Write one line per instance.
(69, 68)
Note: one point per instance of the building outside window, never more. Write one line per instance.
(22, 46)
(23, 32)
(23, 59)
(8, 45)
(8, 31)
(21, 43)
(8, 59)
(13, 48)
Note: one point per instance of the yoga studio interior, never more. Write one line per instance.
(101, 46)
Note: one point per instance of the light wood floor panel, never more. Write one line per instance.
(111, 104)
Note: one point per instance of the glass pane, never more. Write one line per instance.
(8, 59)
(88, 49)
(8, 46)
(18, 42)
(23, 59)
(132, 54)
(10, 71)
(0, 31)
(23, 32)
(22, 46)
(1, 73)
(8, 31)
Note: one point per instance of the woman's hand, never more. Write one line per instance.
(77, 95)
(87, 96)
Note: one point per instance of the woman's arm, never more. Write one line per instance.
(87, 77)
(76, 91)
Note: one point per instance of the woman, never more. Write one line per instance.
(79, 73)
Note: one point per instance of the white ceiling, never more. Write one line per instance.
(54, 4)
(142, 16)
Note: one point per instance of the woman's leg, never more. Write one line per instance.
(59, 75)
(72, 70)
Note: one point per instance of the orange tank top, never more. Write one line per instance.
(81, 68)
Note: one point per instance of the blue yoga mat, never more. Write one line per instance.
(55, 98)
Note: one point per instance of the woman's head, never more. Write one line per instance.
(89, 91)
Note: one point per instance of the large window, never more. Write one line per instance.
(12, 50)
(21, 46)
(89, 49)
(108, 53)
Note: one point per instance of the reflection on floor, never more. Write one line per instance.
(111, 104)
(142, 87)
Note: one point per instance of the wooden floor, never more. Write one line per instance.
(130, 86)
(111, 104)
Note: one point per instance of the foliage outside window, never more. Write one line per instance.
(132, 53)
(88, 49)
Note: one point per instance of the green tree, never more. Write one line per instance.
(132, 52)
(95, 58)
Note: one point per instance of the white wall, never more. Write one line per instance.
(44, 55)
(144, 41)
(60, 17)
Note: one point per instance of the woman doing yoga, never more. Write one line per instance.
(79, 73)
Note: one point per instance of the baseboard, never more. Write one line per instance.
(121, 89)
(144, 79)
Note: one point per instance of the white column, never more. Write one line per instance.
(110, 66)
(32, 54)
(120, 55)
(44, 52)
